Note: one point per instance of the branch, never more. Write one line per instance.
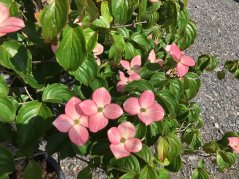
(133, 24)
(28, 93)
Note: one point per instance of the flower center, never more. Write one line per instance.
(100, 109)
(122, 140)
(76, 121)
(236, 146)
(142, 110)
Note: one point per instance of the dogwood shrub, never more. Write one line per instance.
(105, 79)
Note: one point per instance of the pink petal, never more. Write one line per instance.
(88, 107)
(125, 64)
(84, 121)
(152, 114)
(112, 111)
(136, 61)
(234, 143)
(99, 49)
(114, 135)
(54, 47)
(160, 62)
(101, 97)
(63, 123)
(122, 77)
(72, 109)
(11, 24)
(174, 51)
(121, 85)
(133, 145)
(97, 122)
(146, 99)
(78, 135)
(182, 69)
(188, 61)
(127, 129)
(131, 72)
(98, 61)
(119, 150)
(153, 1)
(134, 77)
(4, 12)
(131, 106)
(152, 56)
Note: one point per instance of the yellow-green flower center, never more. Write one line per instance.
(142, 110)
(100, 109)
(76, 121)
(122, 140)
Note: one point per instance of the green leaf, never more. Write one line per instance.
(162, 149)
(6, 161)
(56, 93)
(145, 154)
(55, 142)
(117, 48)
(91, 39)
(105, 11)
(101, 23)
(175, 146)
(206, 62)
(16, 57)
(168, 101)
(85, 173)
(163, 173)
(129, 164)
(121, 11)
(32, 170)
(5, 131)
(183, 19)
(72, 48)
(192, 85)
(175, 86)
(158, 80)
(148, 172)
(7, 109)
(129, 51)
(225, 159)
(211, 147)
(89, 7)
(87, 72)
(4, 89)
(140, 85)
(141, 40)
(53, 18)
(175, 164)
(128, 176)
(193, 138)
(221, 74)
(200, 174)
(33, 118)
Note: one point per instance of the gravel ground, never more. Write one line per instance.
(218, 24)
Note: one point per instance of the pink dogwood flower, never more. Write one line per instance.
(98, 50)
(145, 107)
(133, 66)
(100, 109)
(123, 141)
(125, 80)
(183, 61)
(234, 143)
(74, 122)
(8, 24)
(152, 58)
(156, 41)
(153, 1)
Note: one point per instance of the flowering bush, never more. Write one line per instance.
(104, 79)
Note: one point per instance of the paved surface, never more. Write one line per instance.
(218, 24)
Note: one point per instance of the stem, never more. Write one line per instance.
(36, 154)
(28, 93)
(133, 24)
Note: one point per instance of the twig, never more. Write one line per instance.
(28, 93)
(84, 160)
(36, 154)
(129, 25)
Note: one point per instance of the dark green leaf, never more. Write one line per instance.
(140, 85)
(141, 40)
(6, 162)
(211, 147)
(72, 48)
(89, 7)
(56, 93)
(148, 172)
(32, 170)
(168, 101)
(5, 131)
(163, 173)
(175, 164)
(225, 159)
(129, 164)
(145, 154)
(128, 176)
(91, 39)
(87, 72)
(33, 118)
(7, 109)
(85, 173)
